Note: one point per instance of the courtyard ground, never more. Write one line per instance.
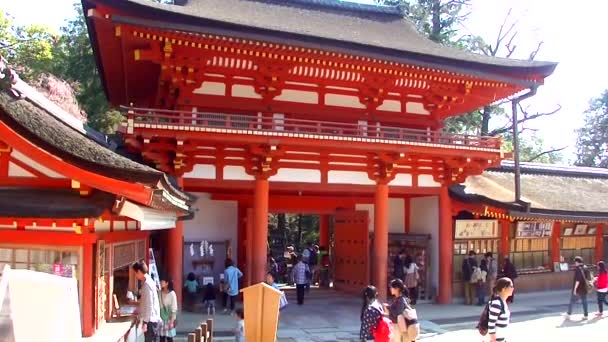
(332, 316)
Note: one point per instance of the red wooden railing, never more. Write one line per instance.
(280, 124)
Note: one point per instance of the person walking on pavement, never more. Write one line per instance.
(300, 278)
(168, 310)
(398, 270)
(490, 266)
(601, 282)
(149, 305)
(509, 271)
(397, 308)
(371, 313)
(499, 315)
(579, 287)
(467, 271)
(231, 276)
(411, 278)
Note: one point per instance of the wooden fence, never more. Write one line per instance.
(204, 333)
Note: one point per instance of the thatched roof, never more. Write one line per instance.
(548, 188)
(330, 24)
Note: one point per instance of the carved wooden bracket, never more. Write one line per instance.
(269, 81)
(442, 95)
(382, 167)
(263, 161)
(374, 90)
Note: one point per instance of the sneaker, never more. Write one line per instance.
(585, 318)
(566, 316)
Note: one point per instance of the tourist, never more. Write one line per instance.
(601, 282)
(271, 265)
(509, 271)
(411, 278)
(467, 271)
(168, 310)
(398, 270)
(209, 299)
(149, 307)
(223, 287)
(579, 288)
(191, 286)
(300, 276)
(478, 280)
(312, 263)
(371, 313)
(239, 331)
(397, 308)
(270, 280)
(499, 314)
(324, 266)
(289, 256)
(490, 266)
(231, 276)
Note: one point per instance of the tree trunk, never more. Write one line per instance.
(299, 231)
(436, 21)
(486, 114)
(282, 227)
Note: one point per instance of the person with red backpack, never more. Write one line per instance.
(601, 283)
(374, 325)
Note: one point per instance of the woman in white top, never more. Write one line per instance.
(168, 310)
(499, 315)
(411, 278)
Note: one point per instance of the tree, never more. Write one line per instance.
(592, 142)
(27, 48)
(74, 61)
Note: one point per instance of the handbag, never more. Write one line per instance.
(283, 301)
(408, 314)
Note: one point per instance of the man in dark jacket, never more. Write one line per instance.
(579, 287)
(398, 265)
(467, 271)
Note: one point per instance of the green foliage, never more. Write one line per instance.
(592, 142)
(531, 149)
(29, 48)
(35, 50)
(296, 229)
(74, 62)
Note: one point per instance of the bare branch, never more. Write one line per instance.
(526, 117)
(535, 157)
(510, 47)
(535, 52)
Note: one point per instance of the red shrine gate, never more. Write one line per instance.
(321, 103)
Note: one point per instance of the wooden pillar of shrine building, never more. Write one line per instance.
(380, 260)
(505, 244)
(555, 237)
(324, 236)
(446, 242)
(260, 229)
(175, 253)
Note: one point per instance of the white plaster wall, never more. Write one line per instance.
(349, 177)
(211, 88)
(202, 171)
(396, 219)
(213, 221)
(424, 219)
(296, 175)
(298, 96)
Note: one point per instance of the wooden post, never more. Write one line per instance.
(204, 331)
(505, 245)
(88, 327)
(199, 334)
(191, 337)
(381, 240)
(446, 246)
(324, 230)
(599, 242)
(261, 312)
(555, 236)
(210, 328)
(260, 230)
(406, 214)
(175, 252)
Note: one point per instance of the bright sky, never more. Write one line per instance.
(572, 32)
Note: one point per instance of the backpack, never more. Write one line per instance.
(384, 330)
(484, 319)
(588, 280)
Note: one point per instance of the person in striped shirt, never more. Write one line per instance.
(499, 314)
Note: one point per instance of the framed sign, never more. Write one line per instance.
(580, 229)
(476, 229)
(531, 229)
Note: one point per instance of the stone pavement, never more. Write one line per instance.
(332, 316)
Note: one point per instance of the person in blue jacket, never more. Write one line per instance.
(231, 276)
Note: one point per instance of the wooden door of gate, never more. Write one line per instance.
(351, 251)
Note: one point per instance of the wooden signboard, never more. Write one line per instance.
(476, 229)
(100, 283)
(533, 229)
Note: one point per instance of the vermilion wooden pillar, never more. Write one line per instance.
(599, 242)
(260, 229)
(88, 294)
(249, 247)
(324, 230)
(555, 236)
(406, 214)
(380, 266)
(241, 236)
(175, 252)
(446, 245)
(505, 247)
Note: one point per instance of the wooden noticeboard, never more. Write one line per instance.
(476, 229)
(533, 229)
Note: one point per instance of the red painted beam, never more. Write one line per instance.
(133, 191)
(46, 237)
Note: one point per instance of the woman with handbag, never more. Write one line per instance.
(168, 310)
(403, 316)
(411, 278)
